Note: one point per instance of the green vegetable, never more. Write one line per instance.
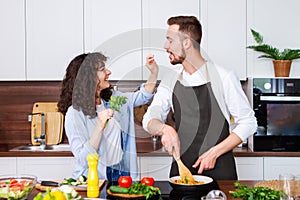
(116, 102)
(148, 191)
(118, 189)
(255, 193)
(71, 181)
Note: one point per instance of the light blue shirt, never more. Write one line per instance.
(79, 128)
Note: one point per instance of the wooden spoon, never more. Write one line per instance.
(184, 172)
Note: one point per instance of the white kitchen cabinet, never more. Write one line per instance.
(8, 165)
(273, 166)
(156, 167)
(114, 28)
(46, 168)
(54, 36)
(249, 168)
(155, 16)
(224, 33)
(12, 40)
(279, 27)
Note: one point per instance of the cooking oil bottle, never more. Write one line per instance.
(93, 180)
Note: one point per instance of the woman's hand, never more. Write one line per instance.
(153, 68)
(103, 116)
(151, 64)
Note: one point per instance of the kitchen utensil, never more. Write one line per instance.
(207, 183)
(53, 123)
(184, 172)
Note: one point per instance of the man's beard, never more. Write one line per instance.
(178, 59)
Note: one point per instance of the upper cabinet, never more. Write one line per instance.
(154, 18)
(278, 22)
(224, 34)
(114, 28)
(54, 37)
(12, 40)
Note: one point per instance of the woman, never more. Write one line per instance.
(92, 127)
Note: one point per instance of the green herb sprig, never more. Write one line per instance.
(255, 193)
(148, 191)
(116, 102)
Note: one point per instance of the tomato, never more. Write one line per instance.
(13, 181)
(125, 181)
(148, 181)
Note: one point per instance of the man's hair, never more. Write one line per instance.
(189, 25)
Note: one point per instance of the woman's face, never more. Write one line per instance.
(103, 75)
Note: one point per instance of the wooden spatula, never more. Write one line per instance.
(184, 172)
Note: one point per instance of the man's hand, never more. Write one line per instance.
(170, 140)
(206, 161)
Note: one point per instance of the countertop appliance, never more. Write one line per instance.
(276, 103)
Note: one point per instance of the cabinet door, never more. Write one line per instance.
(249, 168)
(273, 166)
(155, 16)
(54, 37)
(8, 165)
(156, 167)
(12, 40)
(114, 28)
(279, 27)
(46, 168)
(224, 33)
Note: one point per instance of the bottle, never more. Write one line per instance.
(93, 180)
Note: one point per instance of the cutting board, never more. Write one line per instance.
(54, 121)
(125, 196)
(77, 188)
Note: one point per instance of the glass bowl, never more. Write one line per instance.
(16, 187)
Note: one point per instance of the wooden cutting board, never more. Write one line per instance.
(77, 188)
(125, 196)
(54, 121)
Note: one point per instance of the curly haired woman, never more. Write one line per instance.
(84, 100)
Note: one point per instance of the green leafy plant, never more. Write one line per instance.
(270, 51)
(116, 102)
(255, 193)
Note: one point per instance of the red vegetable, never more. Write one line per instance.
(125, 181)
(148, 181)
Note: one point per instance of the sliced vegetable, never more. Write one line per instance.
(118, 189)
(71, 181)
(125, 181)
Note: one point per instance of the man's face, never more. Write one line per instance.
(173, 45)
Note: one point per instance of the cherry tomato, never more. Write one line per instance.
(148, 181)
(13, 181)
(125, 181)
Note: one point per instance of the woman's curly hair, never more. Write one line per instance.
(85, 86)
(80, 84)
(65, 100)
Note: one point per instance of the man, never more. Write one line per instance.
(203, 98)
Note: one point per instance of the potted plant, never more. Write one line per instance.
(282, 60)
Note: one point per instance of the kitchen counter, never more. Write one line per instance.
(166, 189)
(145, 147)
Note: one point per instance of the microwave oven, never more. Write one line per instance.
(276, 103)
